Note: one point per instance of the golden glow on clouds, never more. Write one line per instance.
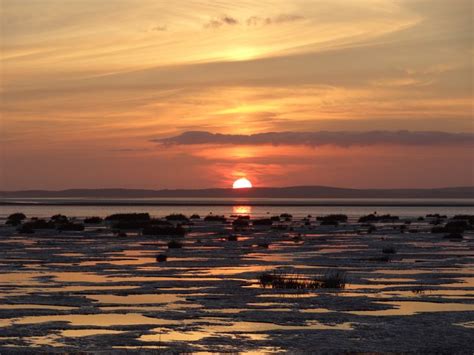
(102, 78)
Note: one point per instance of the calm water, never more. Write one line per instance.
(226, 206)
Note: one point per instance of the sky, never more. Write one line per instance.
(195, 94)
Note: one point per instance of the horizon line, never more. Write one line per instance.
(241, 189)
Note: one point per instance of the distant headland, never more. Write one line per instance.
(465, 192)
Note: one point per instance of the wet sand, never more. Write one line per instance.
(94, 290)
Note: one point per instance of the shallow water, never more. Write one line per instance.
(208, 292)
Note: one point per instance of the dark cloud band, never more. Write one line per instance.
(344, 138)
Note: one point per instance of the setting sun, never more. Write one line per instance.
(242, 183)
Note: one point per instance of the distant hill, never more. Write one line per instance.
(260, 192)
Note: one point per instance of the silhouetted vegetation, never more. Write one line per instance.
(241, 222)
(195, 216)
(131, 224)
(279, 227)
(286, 281)
(39, 224)
(297, 238)
(177, 217)
(437, 229)
(383, 259)
(453, 236)
(275, 219)
(70, 226)
(178, 231)
(93, 220)
(129, 217)
(371, 229)
(436, 215)
(161, 258)
(465, 217)
(213, 218)
(371, 218)
(389, 250)
(454, 226)
(331, 279)
(330, 219)
(25, 229)
(15, 219)
(232, 238)
(59, 218)
(175, 244)
(457, 224)
(262, 222)
(435, 222)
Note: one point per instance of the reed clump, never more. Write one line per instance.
(331, 279)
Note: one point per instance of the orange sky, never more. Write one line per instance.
(89, 89)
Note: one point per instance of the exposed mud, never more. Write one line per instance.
(93, 290)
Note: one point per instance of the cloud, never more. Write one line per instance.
(341, 138)
(223, 20)
(282, 18)
(159, 28)
(252, 20)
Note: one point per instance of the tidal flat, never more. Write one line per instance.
(103, 289)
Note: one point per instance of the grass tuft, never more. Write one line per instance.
(389, 250)
(161, 258)
(175, 244)
(333, 279)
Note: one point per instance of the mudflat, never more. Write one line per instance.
(405, 288)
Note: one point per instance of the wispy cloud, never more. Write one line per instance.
(158, 28)
(282, 18)
(342, 138)
(252, 20)
(221, 21)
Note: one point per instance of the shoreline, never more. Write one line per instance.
(239, 203)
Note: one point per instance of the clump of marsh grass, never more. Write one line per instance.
(419, 289)
(15, 219)
(70, 226)
(164, 230)
(175, 244)
(232, 238)
(128, 217)
(177, 217)
(280, 280)
(161, 258)
(331, 279)
(26, 229)
(262, 222)
(453, 236)
(93, 220)
(214, 218)
(332, 219)
(389, 250)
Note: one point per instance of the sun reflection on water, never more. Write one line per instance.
(242, 210)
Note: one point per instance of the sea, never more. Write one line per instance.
(257, 207)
